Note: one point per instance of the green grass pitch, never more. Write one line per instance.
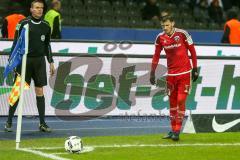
(207, 146)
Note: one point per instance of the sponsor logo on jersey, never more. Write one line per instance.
(177, 38)
(172, 46)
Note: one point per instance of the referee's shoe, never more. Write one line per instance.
(44, 128)
(8, 127)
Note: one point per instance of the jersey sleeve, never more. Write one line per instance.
(48, 49)
(156, 56)
(187, 38)
(191, 48)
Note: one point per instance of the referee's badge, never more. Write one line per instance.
(42, 37)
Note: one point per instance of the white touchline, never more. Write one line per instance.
(42, 154)
(165, 145)
(143, 145)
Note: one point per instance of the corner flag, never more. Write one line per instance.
(17, 54)
(20, 53)
(15, 92)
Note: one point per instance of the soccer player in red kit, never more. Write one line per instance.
(176, 43)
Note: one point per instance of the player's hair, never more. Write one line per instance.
(164, 13)
(232, 14)
(54, 2)
(166, 18)
(36, 1)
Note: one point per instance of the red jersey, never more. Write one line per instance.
(176, 48)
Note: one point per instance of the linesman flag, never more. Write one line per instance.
(15, 93)
(17, 54)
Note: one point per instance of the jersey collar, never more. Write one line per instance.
(174, 30)
(35, 21)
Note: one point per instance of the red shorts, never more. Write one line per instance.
(179, 83)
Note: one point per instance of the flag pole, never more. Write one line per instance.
(20, 105)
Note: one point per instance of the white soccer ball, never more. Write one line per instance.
(73, 144)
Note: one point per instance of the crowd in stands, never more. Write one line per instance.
(189, 14)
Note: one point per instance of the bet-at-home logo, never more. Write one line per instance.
(100, 89)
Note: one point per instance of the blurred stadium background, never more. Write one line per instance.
(97, 15)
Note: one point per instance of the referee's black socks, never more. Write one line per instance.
(11, 112)
(41, 108)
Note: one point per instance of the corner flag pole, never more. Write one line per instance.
(20, 105)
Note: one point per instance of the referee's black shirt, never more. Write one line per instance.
(39, 37)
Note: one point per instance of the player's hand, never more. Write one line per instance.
(52, 69)
(194, 74)
(152, 77)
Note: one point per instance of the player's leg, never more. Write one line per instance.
(181, 101)
(172, 93)
(183, 91)
(40, 79)
(173, 113)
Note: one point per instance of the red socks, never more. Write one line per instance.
(177, 110)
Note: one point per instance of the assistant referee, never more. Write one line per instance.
(39, 47)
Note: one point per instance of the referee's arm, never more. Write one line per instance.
(48, 47)
(49, 53)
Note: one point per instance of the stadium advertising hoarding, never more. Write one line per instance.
(126, 47)
(119, 85)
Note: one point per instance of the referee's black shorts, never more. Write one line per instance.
(36, 70)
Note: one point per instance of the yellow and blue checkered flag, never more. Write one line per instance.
(15, 92)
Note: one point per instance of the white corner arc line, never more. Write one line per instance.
(42, 154)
